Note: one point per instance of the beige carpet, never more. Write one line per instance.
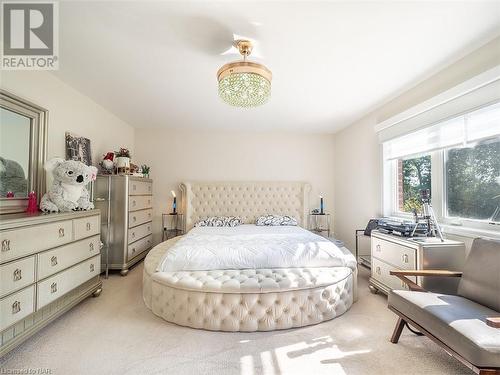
(117, 334)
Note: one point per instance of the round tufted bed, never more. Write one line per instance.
(256, 299)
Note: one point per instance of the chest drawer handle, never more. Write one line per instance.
(61, 232)
(134, 187)
(149, 188)
(91, 246)
(88, 226)
(149, 201)
(53, 261)
(16, 307)
(134, 218)
(405, 258)
(53, 288)
(149, 215)
(92, 268)
(17, 275)
(377, 270)
(134, 203)
(5, 245)
(133, 250)
(149, 228)
(377, 248)
(133, 234)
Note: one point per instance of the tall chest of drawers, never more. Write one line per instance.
(126, 204)
(391, 252)
(48, 263)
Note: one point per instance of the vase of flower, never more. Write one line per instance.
(145, 170)
(122, 160)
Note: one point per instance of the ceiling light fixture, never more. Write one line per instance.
(244, 83)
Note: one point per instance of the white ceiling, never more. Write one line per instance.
(154, 64)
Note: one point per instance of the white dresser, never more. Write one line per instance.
(48, 263)
(391, 252)
(126, 204)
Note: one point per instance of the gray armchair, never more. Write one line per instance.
(467, 325)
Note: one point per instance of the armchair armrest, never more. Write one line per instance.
(493, 322)
(401, 274)
(443, 273)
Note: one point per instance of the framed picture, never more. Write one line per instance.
(78, 148)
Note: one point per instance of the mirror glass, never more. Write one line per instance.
(15, 134)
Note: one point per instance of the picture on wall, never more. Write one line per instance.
(78, 148)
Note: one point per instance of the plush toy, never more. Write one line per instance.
(68, 192)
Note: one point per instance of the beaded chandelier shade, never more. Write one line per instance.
(244, 83)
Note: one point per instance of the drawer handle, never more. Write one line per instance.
(17, 275)
(16, 307)
(92, 267)
(53, 261)
(149, 214)
(134, 218)
(133, 234)
(149, 188)
(53, 288)
(91, 246)
(149, 228)
(61, 232)
(88, 226)
(405, 258)
(149, 201)
(133, 250)
(149, 242)
(5, 245)
(134, 203)
(377, 270)
(134, 187)
(377, 248)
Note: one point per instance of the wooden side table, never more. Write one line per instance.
(170, 226)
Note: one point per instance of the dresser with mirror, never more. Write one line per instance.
(48, 262)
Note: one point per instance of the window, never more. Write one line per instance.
(473, 181)
(458, 160)
(414, 175)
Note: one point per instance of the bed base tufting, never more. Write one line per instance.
(246, 300)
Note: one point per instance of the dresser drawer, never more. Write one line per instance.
(17, 306)
(140, 188)
(86, 226)
(16, 243)
(16, 275)
(139, 217)
(139, 232)
(52, 261)
(140, 202)
(380, 272)
(139, 246)
(400, 256)
(56, 286)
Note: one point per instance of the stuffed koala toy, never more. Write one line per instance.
(68, 192)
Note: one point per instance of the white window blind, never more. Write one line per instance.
(459, 131)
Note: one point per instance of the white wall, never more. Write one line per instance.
(180, 155)
(69, 110)
(358, 170)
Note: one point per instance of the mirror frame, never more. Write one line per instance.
(38, 149)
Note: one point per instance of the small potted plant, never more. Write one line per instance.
(122, 159)
(145, 170)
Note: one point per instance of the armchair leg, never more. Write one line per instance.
(397, 331)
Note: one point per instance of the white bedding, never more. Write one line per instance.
(253, 247)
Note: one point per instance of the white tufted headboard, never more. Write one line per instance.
(247, 200)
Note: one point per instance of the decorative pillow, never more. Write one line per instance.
(220, 221)
(275, 220)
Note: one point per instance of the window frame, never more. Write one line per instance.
(439, 199)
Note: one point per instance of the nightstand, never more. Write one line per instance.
(320, 223)
(390, 252)
(171, 225)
